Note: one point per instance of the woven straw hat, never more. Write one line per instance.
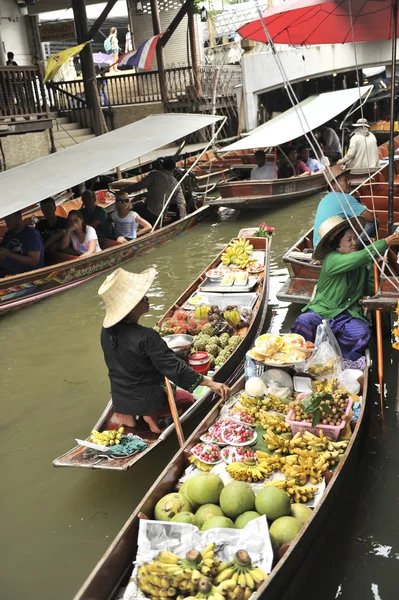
(361, 123)
(330, 228)
(122, 291)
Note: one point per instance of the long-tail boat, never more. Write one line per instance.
(109, 578)
(52, 174)
(109, 420)
(373, 193)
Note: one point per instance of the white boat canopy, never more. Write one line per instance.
(25, 185)
(296, 121)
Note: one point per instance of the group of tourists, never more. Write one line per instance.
(87, 230)
(300, 162)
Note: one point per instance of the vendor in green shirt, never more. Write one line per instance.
(346, 276)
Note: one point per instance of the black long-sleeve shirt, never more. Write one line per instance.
(137, 366)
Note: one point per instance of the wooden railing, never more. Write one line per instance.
(22, 93)
(70, 102)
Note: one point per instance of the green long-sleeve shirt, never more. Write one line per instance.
(343, 281)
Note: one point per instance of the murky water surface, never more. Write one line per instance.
(56, 523)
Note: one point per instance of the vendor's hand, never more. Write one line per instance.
(393, 240)
(340, 161)
(220, 389)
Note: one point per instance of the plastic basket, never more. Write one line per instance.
(331, 431)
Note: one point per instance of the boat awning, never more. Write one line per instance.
(296, 121)
(25, 185)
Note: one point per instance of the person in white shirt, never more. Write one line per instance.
(363, 148)
(79, 239)
(128, 40)
(126, 221)
(313, 163)
(264, 170)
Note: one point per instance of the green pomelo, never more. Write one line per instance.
(170, 505)
(185, 517)
(207, 511)
(284, 529)
(213, 522)
(301, 512)
(245, 518)
(236, 498)
(205, 488)
(273, 503)
(183, 490)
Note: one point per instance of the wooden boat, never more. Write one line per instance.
(381, 130)
(74, 458)
(113, 571)
(373, 193)
(260, 194)
(66, 271)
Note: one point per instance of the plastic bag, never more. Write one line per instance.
(348, 380)
(326, 362)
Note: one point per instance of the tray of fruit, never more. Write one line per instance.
(239, 416)
(234, 434)
(214, 433)
(208, 453)
(236, 454)
(216, 274)
(255, 268)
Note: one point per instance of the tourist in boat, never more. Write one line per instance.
(52, 227)
(79, 239)
(344, 279)
(137, 358)
(330, 140)
(22, 247)
(342, 204)
(127, 224)
(292, 167)
(363, 148)
(263, 170)
(159, 184)
(94, 215)
(321, 157)
(314, 165)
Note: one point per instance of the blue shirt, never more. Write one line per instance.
(314, 165)
(330, 206)
(27, 240)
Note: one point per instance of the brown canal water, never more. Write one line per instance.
(57, 523)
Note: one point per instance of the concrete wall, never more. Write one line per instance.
(260, 72)
(20, 149)
(124, 115)
(14, 33)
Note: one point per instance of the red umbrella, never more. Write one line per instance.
(324, 22)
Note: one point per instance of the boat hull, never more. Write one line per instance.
(114, 569)
(258, 194)
(24, 289)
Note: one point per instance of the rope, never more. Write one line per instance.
(295, 103)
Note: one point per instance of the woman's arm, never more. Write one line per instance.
(66, 240)
(91, 250)
(145, 226)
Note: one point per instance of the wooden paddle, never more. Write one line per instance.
(174, 413)
(380, 351)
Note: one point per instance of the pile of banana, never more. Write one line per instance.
(200, 464)
(296, 492)
(271, 421)
(284, 443)
(257, 406)
(322, 442)
(248, 471)
(238, 253)
(199, 575)
(300, 468)
(107, 438)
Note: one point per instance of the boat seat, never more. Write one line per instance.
(53, 258)
(107, 243)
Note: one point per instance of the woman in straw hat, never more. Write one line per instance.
(344, 279)
(363, 149)
(137, 358)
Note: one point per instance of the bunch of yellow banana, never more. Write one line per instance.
(271, 421)
(247, 471)
(206, 591)
(271, 462)
(296, 493)
(239, 579)
(154, 583)
(284, 443)
(200, 464)
(322, 442)
(107, 438)
(238, 253)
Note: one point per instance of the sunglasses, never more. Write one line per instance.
(123, 201)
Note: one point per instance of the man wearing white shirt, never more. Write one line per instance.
(264, 170)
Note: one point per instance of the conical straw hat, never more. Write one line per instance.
(330, 228)
(122, 291)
